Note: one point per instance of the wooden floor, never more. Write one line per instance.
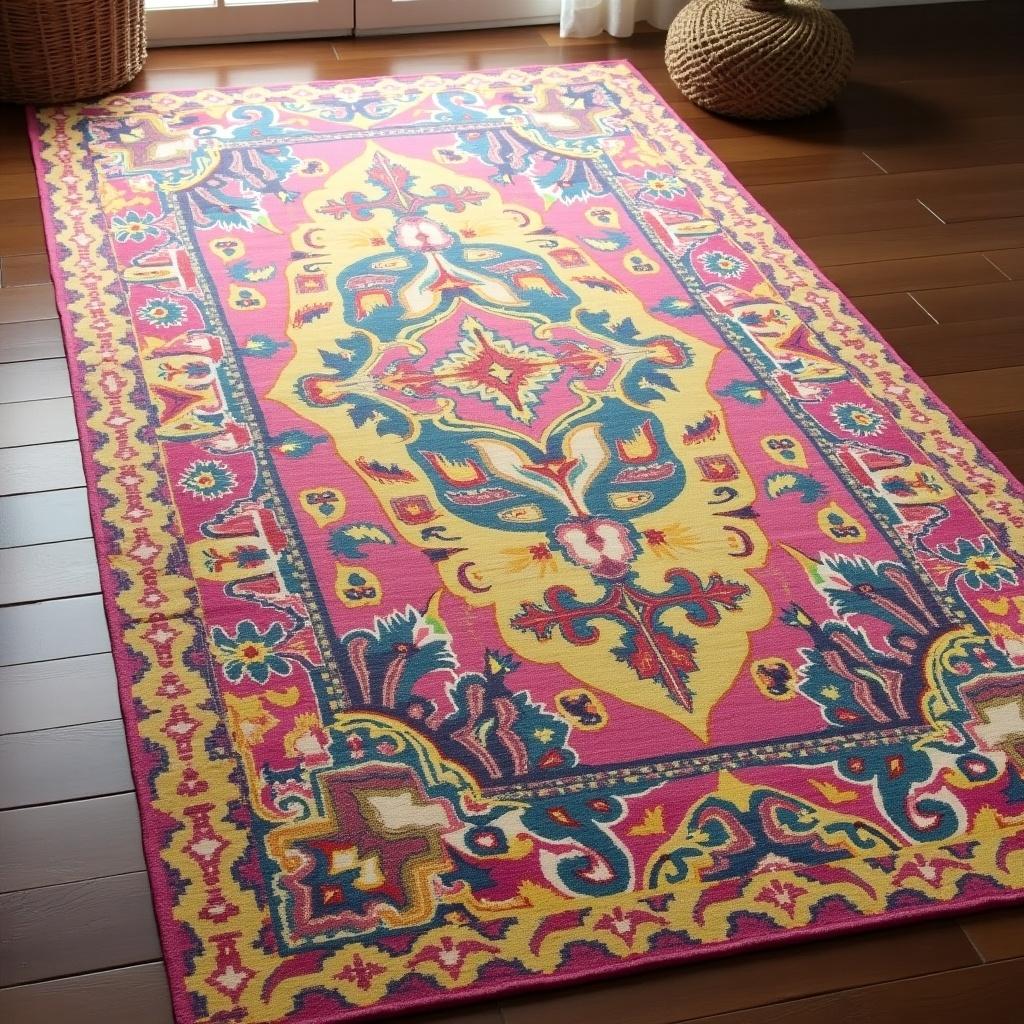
(910, 194)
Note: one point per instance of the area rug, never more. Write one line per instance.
(522, 565)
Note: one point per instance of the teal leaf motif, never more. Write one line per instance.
(790, 482)
(347, 541)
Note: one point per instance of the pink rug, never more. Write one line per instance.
(523, 565)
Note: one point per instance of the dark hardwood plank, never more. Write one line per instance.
(51, 630)
(942, 89)
(973, 302)
(225, 55)
(481, 1014)
(22, 240)
(33, 302)
(15, 155)
(52, 765)
(801, 219)
(1013, 460)
(18, 271)
(955, 348)
(947, 998)
(1009, 261)
(38, 422)
(898, 135)
(965, 153)
(836, 165)
(895, 59)
(139, 995)
(31, 381)
(1000, 430)
(51, 694)
(163, 80)
(764, 147)
(981, 392)
(896, 310)
(18, 186)
(997, 935)
(905, 243)
(931, 187)
(716, 986)
(872, 118)
(979, 205)
(24, 210)
(17, 162)
(127, 995)
(44, 517)
(70, 842)
(33, 339)
(41, 572)
(41, 467)
(81, 926)
(913, 274)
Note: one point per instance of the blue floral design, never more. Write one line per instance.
(858, 419)
(250, 653)
(723, 264)
(163, 313)
(134, 227)
(208, 479)
(985, 566)
(663, 186)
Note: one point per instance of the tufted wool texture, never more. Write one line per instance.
(758, 58)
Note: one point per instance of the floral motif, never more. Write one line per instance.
(134, 226)
(664, 186)
(626, 923)
(783, 895)
(451, 956)
(208, 480)
(249, 653)
(984, 565)
(162, 313)
(723, 264)
(858, 419)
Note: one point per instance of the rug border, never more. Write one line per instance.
(108, 588)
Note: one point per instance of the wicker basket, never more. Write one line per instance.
(52, 51)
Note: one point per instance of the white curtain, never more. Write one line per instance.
(616, 17)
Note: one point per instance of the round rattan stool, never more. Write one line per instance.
(52, 51)
(758, 58)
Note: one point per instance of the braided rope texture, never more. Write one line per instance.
(763, 59)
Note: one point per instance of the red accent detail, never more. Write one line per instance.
(652, 446)
(437, 460)
(414, 509)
